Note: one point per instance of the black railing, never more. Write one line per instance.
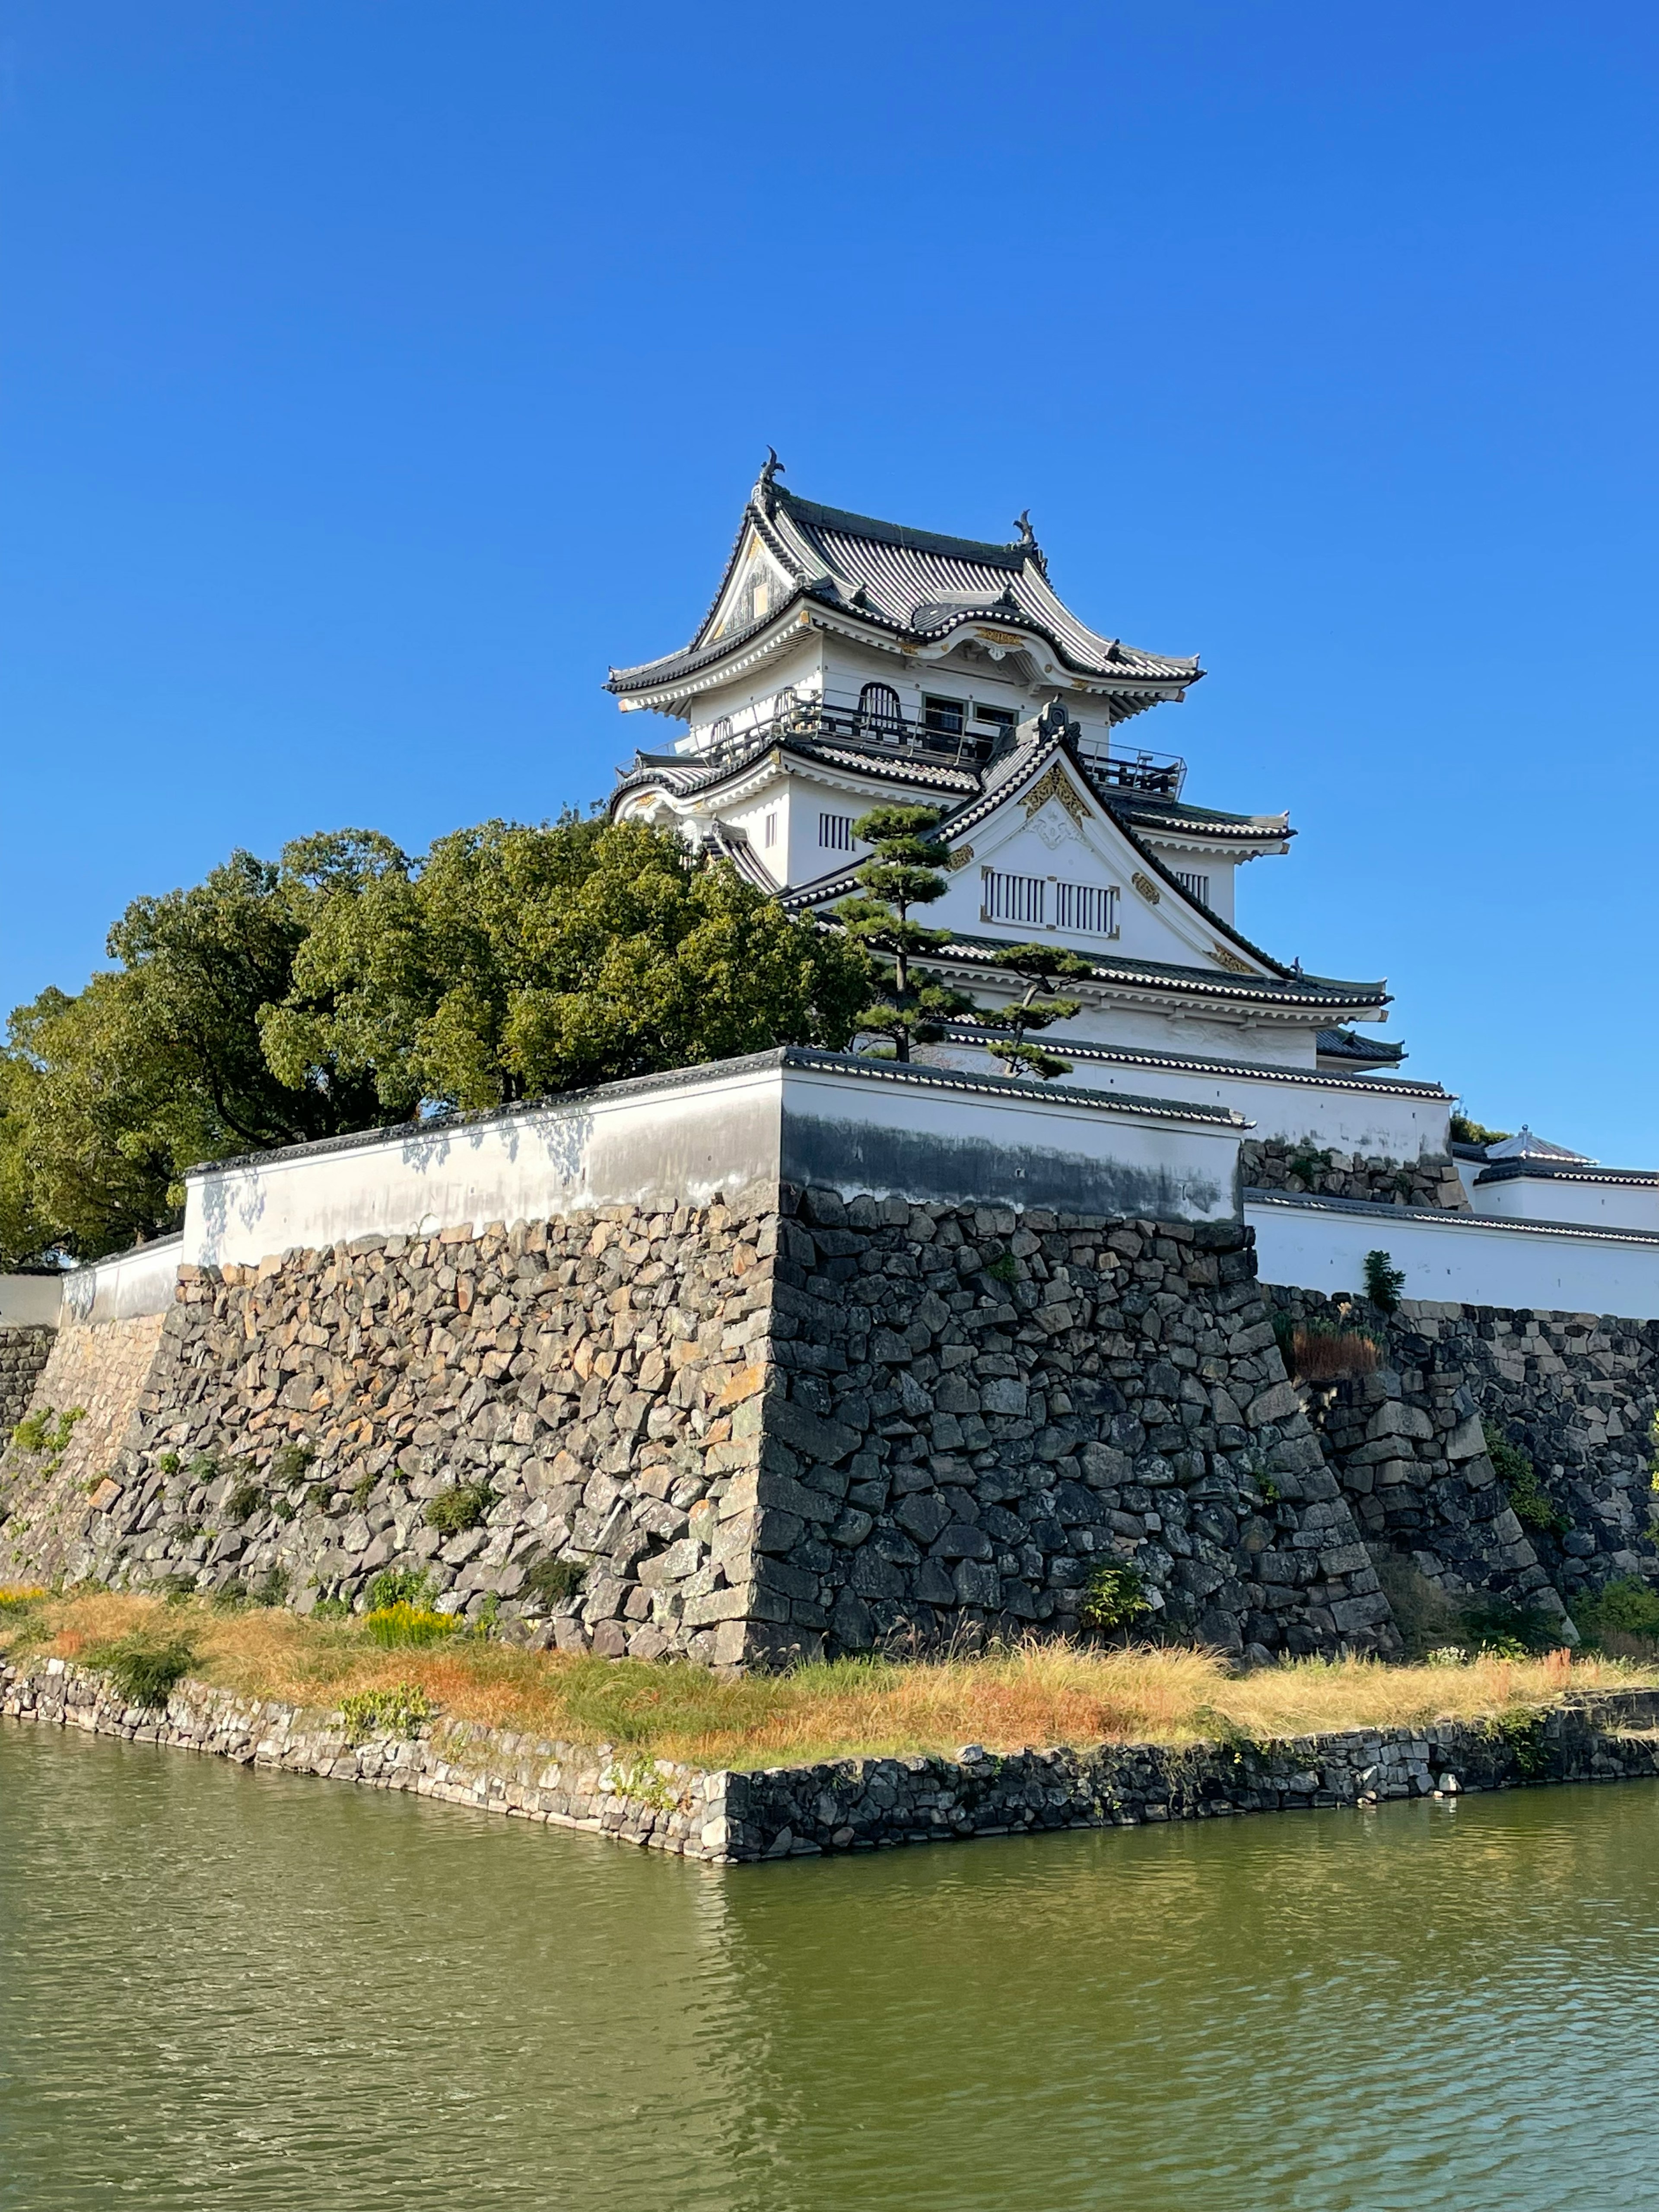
(894, 734)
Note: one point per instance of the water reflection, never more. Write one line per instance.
(219, 1989)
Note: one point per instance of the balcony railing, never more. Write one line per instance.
(885, 735)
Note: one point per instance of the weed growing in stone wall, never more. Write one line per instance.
(290, 1462)
(549, 1581)
(1516, 1471)
(45, 1430)
(145, 1668)
(459, 1508)
(399, 1711)
(244, 1502)
(1383, 1281)
(1524, 1734)
(1113, 1597)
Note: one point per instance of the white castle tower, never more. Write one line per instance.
(847, 662)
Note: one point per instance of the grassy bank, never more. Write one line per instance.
(1040, 1694)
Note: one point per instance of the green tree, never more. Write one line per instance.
(108, 1095)
(517, 961)
(910, 1005)
(1042, 966)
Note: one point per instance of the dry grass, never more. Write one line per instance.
(1038, 1694)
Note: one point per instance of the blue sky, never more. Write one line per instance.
(373, 374)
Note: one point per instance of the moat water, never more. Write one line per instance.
(220, 1989)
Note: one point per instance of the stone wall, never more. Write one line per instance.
(862, 1804)
(1270, 1164)
(23, 1353)
(101, 1368)
(817, 1427)
(1576, 1392)
(972, 1409)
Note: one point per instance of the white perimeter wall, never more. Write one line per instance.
(690, 1139)
(30, 1301)
(124, 1284)
(1547, 1198)
(1457, 1259)
(1381, 1119)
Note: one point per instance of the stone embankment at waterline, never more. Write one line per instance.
(728, 1817)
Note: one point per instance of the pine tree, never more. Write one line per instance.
(1043, 966)
(903, 872)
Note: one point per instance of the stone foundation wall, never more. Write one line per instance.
(101, 1368)
(815, 1428)
(971, 1410)
(1270, 1164)
(862, 1804)
(1576, 1392)
(23, 1353)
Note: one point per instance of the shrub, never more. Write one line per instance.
(1114, 1597)
(144, 1668)
(459, 1508)
(231, 1597)
(168, 1463)
(1506, 1631)
(204, 1468)
(397, 1586)
(395, 1626)
(273, 1590)
(176, 1589)
(290, 1462)
(1004, 1268)
(1307, 1165)
(1515, 1470)
(331, 1608)
(398, 1711)
(362, 1490)
(1626, 1606)
(20, 1598)
(1383, 1281)
(551, 1580)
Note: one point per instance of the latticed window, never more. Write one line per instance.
(835, 832)
(1013, 898)
(878, 710)
(1088, 909)
(1195, 886)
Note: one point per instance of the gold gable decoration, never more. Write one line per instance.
(1056, 784)
(1148, 890)
(1231, 962)
(959, 859)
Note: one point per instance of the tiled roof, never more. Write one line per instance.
(1318, 994)
(1198, 1063)
(1362, 1051)
(1152, 812)
(914, 583)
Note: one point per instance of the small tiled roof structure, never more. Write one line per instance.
(1341, 1047)
(912, 587)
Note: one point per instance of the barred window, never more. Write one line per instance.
(1091, 908)
(835, 832)
(1195, 886)
(1013, 898)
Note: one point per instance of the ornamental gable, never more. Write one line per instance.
(1049, 863)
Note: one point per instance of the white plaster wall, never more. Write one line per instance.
(1379, 1120)
(1453, 1258)
(125, 1284)
(30, 1301)
(652, 1148)
(722, 1133)
(1545, 1197)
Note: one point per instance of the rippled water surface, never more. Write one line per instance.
(224, 1988)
